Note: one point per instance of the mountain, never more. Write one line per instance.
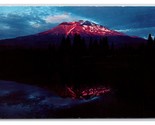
(86, 29)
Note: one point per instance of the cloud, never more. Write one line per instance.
(25, 20)
(142, 32)
(35, 24)
(59, 18)
(21, 23)
(124, 30)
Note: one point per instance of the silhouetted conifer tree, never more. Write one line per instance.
(150, 41)
(78, 45)
(65, 60)
(112, 48)
(65, 44)
(83, 46)
(154, 41)
(104, 45)
(90, 46)
(77, 41)
(95, 47)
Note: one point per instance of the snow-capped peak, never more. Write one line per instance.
(88, 23)
(84, 28)
(80, 22)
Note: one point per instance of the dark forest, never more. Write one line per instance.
(129, 71)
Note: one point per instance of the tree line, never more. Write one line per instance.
(72, 56)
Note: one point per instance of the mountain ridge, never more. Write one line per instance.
(80, 27)
(86, 29)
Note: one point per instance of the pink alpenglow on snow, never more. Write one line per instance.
(86, 29)
(86, 93)
(82, 28)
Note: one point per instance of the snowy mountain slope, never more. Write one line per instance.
(87, 30)
(84, 28)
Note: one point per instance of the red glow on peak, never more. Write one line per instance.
(84, 28)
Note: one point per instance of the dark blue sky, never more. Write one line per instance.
(25, 20)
